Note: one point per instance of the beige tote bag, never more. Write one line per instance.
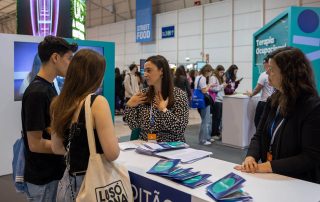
(104, 180)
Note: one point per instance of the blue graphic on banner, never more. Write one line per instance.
(145, 190)
(167, 32)
(144, 21)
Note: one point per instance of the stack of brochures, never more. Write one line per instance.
(173, 150)
(150, 147)
(184, 176)
(228, 188)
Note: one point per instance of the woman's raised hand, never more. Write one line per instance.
(137, 99)
(161, 104)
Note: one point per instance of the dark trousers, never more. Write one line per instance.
(216, 118)
(259, 111)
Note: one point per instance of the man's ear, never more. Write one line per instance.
(54, 57)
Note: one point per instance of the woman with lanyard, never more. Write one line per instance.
(287, 140)
(161, 111)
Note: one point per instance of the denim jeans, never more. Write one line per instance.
(42, 193)
(205, 127)
(68, 182)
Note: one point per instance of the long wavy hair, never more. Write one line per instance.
(230, 73)
(216, 73)
(166, 82)
(84, 76)
(180, 72)
(297, 78)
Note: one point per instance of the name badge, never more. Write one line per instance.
(152, 137)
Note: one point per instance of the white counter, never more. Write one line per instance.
(238, 120)
(262, 187)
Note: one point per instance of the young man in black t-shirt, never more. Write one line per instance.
(43, 169)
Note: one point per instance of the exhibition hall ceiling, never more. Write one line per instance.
(110, 11)
(99, 12)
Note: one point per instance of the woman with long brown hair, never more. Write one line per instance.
(231, 76)
(181, 81)
(287, 140)
(201, 84)
(84, 76)
(218, 84)
(161, 111)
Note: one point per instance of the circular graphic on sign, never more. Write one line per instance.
(175, 144)
(163, 166)
(223, 185)
(193, 180)
(308, 21)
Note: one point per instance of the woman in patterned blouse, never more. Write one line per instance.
(160, 109)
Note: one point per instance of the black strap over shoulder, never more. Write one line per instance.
(82, 117)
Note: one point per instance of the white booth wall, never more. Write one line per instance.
(223, 30)
(10, 110)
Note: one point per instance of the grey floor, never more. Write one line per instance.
(8, 194)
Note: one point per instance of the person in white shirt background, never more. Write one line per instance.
(131, 84)
(266, 90)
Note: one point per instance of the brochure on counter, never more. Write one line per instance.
(168, 150)
(150, 147)
(228, 188)
(183, 176)
(173, 150)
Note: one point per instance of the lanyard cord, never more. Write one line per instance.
(273, 133)
(152, 122)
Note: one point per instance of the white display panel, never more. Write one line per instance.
(10, 110)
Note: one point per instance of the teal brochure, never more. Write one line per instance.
(173, 145)
(225, 186)
(179, 171)
(164, 167)
(185, 175)
(196, 181)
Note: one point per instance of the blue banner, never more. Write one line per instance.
(167, 32)
(144, 21)
(145, 190)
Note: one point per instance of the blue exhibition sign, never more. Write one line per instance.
(145, 189)
(144, 21)
(167, 32)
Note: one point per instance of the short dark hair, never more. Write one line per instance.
(132, 66)
(53, 44)
(266, 59)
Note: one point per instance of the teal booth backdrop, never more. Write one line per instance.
(296, 26)
(108, 88)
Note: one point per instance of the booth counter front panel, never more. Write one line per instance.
(262, 187)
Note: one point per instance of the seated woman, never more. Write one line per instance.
(160, 109)
(287, 140)
(84, 76)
